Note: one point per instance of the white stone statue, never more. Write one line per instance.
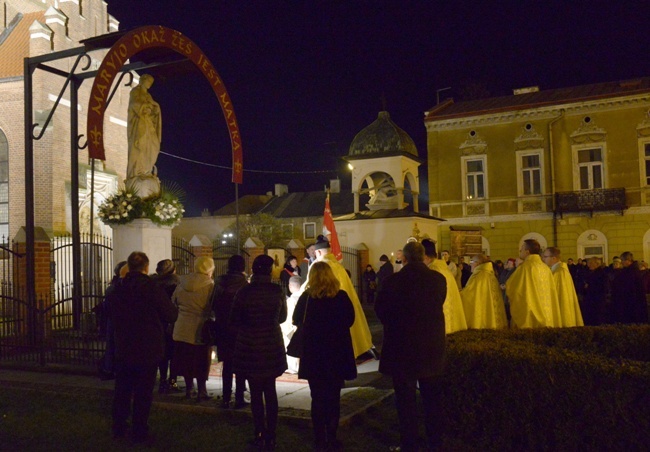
(144, 132)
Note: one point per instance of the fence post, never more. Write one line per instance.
(201, 246)
(254, 247)
(296, 248)
(43, 278)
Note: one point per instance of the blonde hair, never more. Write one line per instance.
(322, 281)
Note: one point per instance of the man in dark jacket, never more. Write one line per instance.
(140, 309)
(628, 293)
(385, 270)
(225, 289)
(409, 306)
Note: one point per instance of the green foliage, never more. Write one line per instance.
(265, 227)
(550, 389)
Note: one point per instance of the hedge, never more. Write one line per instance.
(550, 389)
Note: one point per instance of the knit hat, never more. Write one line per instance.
(383, 258)
(236, 263)
(322, 244)
(118, 267)
(262, 265)
(204, 265)
(165, 267)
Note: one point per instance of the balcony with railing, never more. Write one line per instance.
(598, 200)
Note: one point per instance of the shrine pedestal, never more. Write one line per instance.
(142, 235)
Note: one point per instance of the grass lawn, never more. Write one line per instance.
(43, 421)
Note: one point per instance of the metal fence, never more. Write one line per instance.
(182, 256)
(45, 333)
(221, 253)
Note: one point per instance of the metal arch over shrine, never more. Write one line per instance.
(142, 39)
(155, 42)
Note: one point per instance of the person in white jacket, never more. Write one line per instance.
(192, 357)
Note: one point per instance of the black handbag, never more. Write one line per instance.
(208, 332)
(296, 344)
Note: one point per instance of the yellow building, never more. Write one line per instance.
(569, 167)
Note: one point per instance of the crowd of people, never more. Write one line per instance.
(157, 324)
(166, 324)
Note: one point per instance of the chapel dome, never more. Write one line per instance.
(382, 137)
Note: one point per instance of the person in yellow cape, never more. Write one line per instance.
(482, 298)
(531, 291)
(453, 306)
(570, 313)
(360, 332)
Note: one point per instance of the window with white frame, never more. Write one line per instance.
(474, 177)
(590, 168)
(309, 231)
(530, 166)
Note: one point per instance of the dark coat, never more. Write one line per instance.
(139, 311)
(167, 282)
(384, 272)
(225, 289)
(628, 296)
(328, 352)
(257, 312)
(409, 306)
(594, 288)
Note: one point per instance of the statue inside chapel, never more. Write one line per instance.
(144, 131)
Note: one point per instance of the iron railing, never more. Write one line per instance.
(598, 200)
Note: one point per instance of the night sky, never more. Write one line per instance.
(306, 76)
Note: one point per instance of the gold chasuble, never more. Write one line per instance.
(482, 299)
(360, 332)
(453, 306)
(532, 294)
(566, 292)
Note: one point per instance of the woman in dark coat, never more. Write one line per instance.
(167, 279)
(257, 312)
(327, 314)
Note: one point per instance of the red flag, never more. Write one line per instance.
(329, 230)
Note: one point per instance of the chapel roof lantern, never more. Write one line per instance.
(381, 138)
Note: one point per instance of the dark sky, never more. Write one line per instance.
(306, 76)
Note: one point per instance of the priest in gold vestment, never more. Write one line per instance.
(482, 298)
(453, 306)
(360, 332)
(570, 313)
(531, 290)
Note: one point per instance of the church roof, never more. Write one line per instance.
(450, 109)
(312, 204)
(382, 138)
(14, 44)
(308, 204)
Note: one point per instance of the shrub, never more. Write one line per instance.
(559, 389)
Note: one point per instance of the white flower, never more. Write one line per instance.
(129, 195)
(129, 207)
(125, 214)
(110, 205)
(124, 203)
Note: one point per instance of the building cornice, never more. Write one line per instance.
(540, 113)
